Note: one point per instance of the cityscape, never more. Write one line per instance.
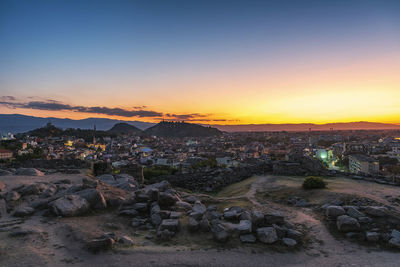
(199, 133)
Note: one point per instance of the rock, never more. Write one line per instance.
(205, 224)
(267, 235)
(296, 235)
(165, 235)
(212, 215)
(289, 242)
(190, 199)
(140, 207)
(172, 225)
(231, 215)
(193, 225)
(199, 207)
(245, 227)
(128, 213)
(89, 183)
(100, 244)
(181, 205)
(355, 213)
(245, 215)
(220, 234)
(126, 241)
(364, 220)
(106, 178)
(166, 199)
(257, 218)
(70, 205)
(346, 223)
(248, 238)
(332, 212)
(196, 215)
(24, 211)
(376, 211)
(94, 197)
(50, 191)
(12, 196)
(153, 194)
(156, 219)
(28, 172)
(395, 234)
(136, 222)
(394, 242)
(32, 189)
(372, 236)
(4, 173)
(161, 186)
(280, 230)
(149, 236)
(274, 218)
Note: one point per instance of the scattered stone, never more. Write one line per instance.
(24, 211)
(70, 205)
(289, 242)
(346, 223)
(267, 235)
(376, 211)
(332, 212)
(248, 238)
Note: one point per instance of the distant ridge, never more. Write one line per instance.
(181, 129)
(340, 126)
(125, 128)
(17, 123)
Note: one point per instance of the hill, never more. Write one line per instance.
(181, 129)
(16, 123)
(124, 128)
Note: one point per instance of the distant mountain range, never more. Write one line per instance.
(17, 123)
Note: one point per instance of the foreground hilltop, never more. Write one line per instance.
(181, 129)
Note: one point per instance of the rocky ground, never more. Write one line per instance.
(60, 219)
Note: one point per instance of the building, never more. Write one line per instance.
(5, 154)
(361, 164)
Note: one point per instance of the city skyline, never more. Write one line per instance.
(211, 62)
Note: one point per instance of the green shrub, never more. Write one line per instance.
(313, 182)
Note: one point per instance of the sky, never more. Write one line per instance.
(211, 62)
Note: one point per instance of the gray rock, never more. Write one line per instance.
(346, 223)
(280, 230)
(161, 186)
(245, 227)
(89, 182)
(248, 238)
(213, 214)
(136, 222)
(128, 213)
(376, 211)
(193, 225)
(126, 241)
(205, 224)
(267, 235)
(190, 199)
(100, 244)
(274, 218)
(395, 234)
(199, 207)
(166, 199)
(94, 197)
(355, 213)
(257, 218)
(220, 234)
(364, 220)
(106, 178)
(4, 173)
(24, 211)
(140, 207)
(32, 189)
(245, 215)
(28, 172)
(231, 215)
(289, 242)
(181, 205)
(175, 215)
(70, 205)
(296, 235)
(372, 236)
(156, 219)
(165, 235)
(332, 212)
(172, 225)
(12, 196)
(196, 215)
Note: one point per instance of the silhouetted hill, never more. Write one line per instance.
(17, 123)
(124, 128)
(181, 129)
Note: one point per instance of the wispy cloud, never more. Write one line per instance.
(136, 111)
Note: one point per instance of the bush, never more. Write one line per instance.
(313, 182)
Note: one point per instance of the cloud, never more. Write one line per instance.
(137, 111)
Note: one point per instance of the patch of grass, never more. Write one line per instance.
(237, 189)
(313, 182)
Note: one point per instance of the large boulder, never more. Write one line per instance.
(346, 223)
(70, 205)
(332, 212)
(94, 197)
(28, 172)
(376, 211)
(267, 235)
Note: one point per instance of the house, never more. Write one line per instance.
(361, 164)
(5, 154)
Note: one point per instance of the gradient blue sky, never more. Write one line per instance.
(243, 61)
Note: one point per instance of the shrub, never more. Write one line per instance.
(313, 182)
